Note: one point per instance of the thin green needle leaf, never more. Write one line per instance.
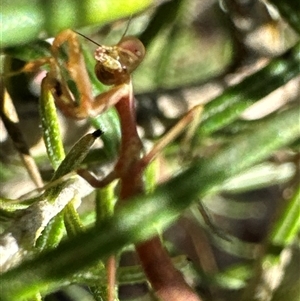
(52, 234)
(71, 162)
(76, 155)
(227, 107)
(288, 225)
(105, 202)
(109, 123)
(72, 220)
(50, 125)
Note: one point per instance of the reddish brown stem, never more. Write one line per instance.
(167, 282)
(111, 274)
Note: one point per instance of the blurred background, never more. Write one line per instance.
(195, 51)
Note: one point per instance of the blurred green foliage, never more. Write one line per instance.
(224, 149)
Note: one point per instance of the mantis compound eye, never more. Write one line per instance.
(131, 52)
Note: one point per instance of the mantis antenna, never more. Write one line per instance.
(127, 26)
(94, 42)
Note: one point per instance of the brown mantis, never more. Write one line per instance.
(114, 66)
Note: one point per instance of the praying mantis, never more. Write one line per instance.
(114, 66)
